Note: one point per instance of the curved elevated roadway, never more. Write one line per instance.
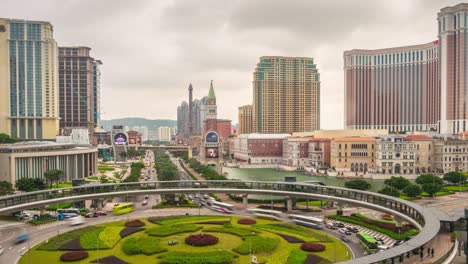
(422, 218)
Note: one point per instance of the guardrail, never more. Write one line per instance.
(422, 218)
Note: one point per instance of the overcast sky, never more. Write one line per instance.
(152, 50)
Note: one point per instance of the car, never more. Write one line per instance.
(145, 202)
(91, 215)
(344, 231)
(340, 225)
(399, 242)
(383, 247)
(344, 239)
(22, 238)
(407, 238)
(101, 213)
(146, 197)
(330, 226)
(78, 220)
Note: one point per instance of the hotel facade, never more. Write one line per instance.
(420, 87)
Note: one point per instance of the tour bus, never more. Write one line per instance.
(271, 214)
(69, 212)
(123, 208)
(368, 242)
(308, 221)
(222, 207)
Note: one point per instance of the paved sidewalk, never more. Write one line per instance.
(441, 245)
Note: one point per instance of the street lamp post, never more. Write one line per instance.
(250, 248)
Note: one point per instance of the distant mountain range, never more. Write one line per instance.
(134, 121)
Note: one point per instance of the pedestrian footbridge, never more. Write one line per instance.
(422, 218)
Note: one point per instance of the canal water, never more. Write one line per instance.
(274, 175)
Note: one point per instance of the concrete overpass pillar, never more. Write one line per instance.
(189, 152)
(42, 210)
(98, 204)
(289, 203)
(339, 210)
(245, 201)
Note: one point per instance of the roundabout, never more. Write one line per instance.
(422, 218)
(191, 240)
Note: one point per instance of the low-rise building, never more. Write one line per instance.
(31, 159)
(423, 152)
(259, 148)
(296, 152)
(319, 152)
(450, 154)
(395, 155)
(353, 154)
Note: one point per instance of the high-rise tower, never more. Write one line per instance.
(453, 24)
(190, 119)
(286, 95)
(29, 106)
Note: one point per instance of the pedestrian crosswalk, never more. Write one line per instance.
(388, 241)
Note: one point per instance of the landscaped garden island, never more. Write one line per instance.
(191, 240)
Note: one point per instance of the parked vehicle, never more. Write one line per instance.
(91, 215)
(340, 225)
(331, 226)
(145, 202)
(399, 242)
(344, 231)
(101, 213)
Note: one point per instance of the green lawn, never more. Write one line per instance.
(437, 194)
(141, 248)
(311, 203)
(455, 188)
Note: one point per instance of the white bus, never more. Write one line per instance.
(69, 212)
(263, 213)
(308, 221)
(222, 207)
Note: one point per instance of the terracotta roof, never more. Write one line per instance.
(320, 139)
(418, 137)
(356, 139)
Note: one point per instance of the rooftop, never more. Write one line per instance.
(36, 146)
(418, 137)
(354, 139)
(264, 136)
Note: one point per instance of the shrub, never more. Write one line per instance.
(74, 256)
(109, 260)
(110, 235)
(130, 230)
(412, 190)
(175, 219)
(90, 240)
(358, 184)
(201, 240)
(212, 257)
(172, 230)
(142, 245)
(257, 244)
(295, 229)
(312, 247)
(214, 222)
(134, 223)
(246, 221)
(237, 231)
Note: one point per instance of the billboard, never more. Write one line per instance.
(120, 139)
(211, 153)
(212, 137)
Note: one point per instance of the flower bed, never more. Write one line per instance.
(291, 239)
(130, 230)
(213, 223)
(57, 242)
(380, 223)
(237, 231)
(312, 247)
(246, 221)
(201, 240)
(74, 256)
(142, 245)
(172, 230)
(314, 259)
(257, 244)
(109, 260)
(134, 223)
(72, 245)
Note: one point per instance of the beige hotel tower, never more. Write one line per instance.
(28, 80)
(286, 95)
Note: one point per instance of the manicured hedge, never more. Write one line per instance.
(105, 168)
(213, 223)
(212, 257)
(237, 231)
(177, 219)
(297, 256)
(246, 221)
(312, 247)
(291, 239)
(109, 260)
(142, 245)
(257, 244)
(110, 235)
(90, 240)
(374, 227)
(172, 230)
(295, 229)
(380, 223)
(74, 256)
(130, 230)
(134, 223)
(200, 240)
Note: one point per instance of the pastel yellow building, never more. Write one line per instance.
(28, 79)
(245, 119)
(353, 154)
